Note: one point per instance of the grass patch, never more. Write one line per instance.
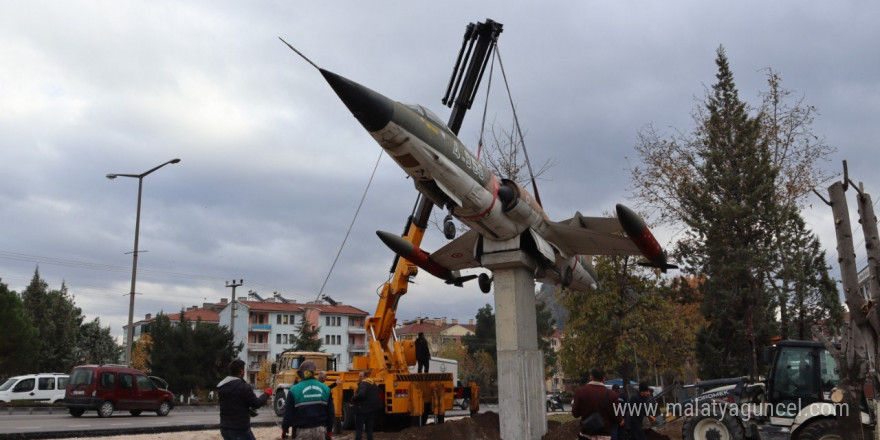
(561, 418)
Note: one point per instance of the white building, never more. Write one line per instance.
(268, 327)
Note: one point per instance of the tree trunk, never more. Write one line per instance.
(859, 337)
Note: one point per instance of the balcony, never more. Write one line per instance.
(357, 330)
(255, 366)
(254, 346)
(357, 347)
(261, 327)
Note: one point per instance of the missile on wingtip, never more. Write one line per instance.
(638, 232)
(420, 258)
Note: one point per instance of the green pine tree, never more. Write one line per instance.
(730, 208)
(806, 294)
(306, 337)
(95, 345)
(58, 320)
(483, 338)
(20, 343)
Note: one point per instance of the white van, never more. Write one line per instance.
(43, 387)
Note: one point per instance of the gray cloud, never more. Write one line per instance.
(273, 165)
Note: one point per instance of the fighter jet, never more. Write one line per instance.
(446, 172)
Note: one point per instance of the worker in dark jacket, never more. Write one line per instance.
(637, 411)
(594, 397)
(366, 403)
(309, 407)
(423, 353)
(237, 399)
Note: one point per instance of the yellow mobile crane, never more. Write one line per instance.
(409, 398)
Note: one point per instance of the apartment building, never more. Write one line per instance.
(268, 327)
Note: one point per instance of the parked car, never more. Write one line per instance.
(43, 387)
(106, 388)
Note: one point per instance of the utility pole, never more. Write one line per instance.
(233, 285)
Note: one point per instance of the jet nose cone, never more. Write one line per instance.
(372, 109)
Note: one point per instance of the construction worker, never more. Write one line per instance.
(237, 400)
(309, 407)
(366, 403)
(423, 353)
(638, 409)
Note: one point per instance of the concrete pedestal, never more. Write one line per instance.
(521, 396)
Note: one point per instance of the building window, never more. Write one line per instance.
(277, 339)
(278, 319)
(286, 319)
(285, 339)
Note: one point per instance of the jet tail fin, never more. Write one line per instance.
(664, 266)
(459, 281)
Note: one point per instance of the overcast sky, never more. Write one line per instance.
(273, 165)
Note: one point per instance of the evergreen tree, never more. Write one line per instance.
(95, 345)
(306, 338)
(546, 328)
(162, 353)
(806, 294)
(190, 356)
(58, 320)
(736, 183)
(213, 351)
(20, 342)
(730, 208)
(483, 338)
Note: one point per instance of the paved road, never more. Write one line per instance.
(56, 422)
(21, 423)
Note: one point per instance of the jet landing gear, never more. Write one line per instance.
(485, 282)
(449, 227)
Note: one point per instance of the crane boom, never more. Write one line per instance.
(476, 49)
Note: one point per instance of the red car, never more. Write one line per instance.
(106, 388)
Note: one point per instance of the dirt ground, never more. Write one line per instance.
(484, 426)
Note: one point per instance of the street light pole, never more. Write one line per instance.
(134, 260)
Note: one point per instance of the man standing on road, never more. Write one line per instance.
(309, 408)
(237, 399)
(423, 353)
(595, 398)
(366, 403)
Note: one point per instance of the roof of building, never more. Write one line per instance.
(206, 315)
(430, 328)
(339, 309)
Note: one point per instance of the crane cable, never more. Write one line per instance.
(486, 103)
(350, 226)
(518, 129)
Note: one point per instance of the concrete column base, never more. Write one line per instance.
(521, 397)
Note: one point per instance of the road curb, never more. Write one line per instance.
(10, 410)
(121, 431)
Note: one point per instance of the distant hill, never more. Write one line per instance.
(547, 296)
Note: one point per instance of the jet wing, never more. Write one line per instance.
(458, 254)
(595, 237)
